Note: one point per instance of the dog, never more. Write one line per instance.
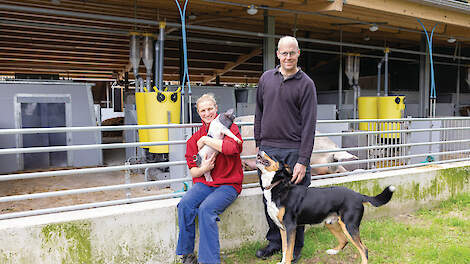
(289, 205)
(218, 128)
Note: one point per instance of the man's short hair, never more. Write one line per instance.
(287, 39)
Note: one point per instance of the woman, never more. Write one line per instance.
(208, 199)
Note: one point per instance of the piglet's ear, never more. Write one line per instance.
(230, 112)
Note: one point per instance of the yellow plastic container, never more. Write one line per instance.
(391, 107)
(157, 106)
(367, 109)
(141, 117)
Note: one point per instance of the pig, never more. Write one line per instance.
(219, 128)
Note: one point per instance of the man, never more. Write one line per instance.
(285, 120)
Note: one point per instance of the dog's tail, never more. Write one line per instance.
(382, 198)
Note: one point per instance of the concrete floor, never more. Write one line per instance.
(111, 157)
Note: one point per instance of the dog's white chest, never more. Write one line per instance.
(272, 209)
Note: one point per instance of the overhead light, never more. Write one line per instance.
(451, 40)
(373, 27)
(252, 10)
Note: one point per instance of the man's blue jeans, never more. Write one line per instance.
(290, 157)
(207, 203)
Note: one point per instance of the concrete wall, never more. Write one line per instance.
(147, 232)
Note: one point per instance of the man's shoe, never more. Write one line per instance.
(297, 256)
(267, 252)
(189, 259)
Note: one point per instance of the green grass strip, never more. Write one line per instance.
(440, 235)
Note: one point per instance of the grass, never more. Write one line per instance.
(440, 235)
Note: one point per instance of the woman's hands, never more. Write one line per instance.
(201, 142)
(208, 163)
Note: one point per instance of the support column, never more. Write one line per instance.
(340, 75)
(307, 57)
(424, 78)
(457, 88)
(269, 44)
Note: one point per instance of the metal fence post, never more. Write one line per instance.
(127, 179)
(177, 152)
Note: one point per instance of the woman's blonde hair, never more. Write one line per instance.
(206, 97)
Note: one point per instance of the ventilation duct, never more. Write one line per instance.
(134, 57)
(147, 57)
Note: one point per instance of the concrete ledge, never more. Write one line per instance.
(147, 232)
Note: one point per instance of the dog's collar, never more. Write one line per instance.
(272, 185)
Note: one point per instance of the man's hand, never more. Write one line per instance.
(299, 173)
(201, 142)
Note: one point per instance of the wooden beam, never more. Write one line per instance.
(29, 50)
(232, 65)
(295, 2)
(414, 10)
(314, 5)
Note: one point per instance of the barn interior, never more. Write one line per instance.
(227, 45)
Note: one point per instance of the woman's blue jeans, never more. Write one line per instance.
(207, 203)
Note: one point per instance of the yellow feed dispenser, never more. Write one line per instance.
(158, 108)
(391, 107)
(367, 109)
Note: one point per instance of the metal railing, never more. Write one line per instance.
(386, 144)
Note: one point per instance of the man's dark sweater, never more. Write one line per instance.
(286, 112)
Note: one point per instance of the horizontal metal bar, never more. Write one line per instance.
(355, 133)
(376, 147)
(134, 127)
(91, 146)
(33, 175)
(348, 173)
(91, 129)
(392, 120)
(387, 158)
(21, 197)
(389, 146)
(90, 205)
(174, 142)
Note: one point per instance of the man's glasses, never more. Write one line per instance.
(290, 53)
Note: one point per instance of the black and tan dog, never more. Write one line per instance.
(290, 205)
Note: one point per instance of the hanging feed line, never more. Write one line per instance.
(185, 59)
(432, 95)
